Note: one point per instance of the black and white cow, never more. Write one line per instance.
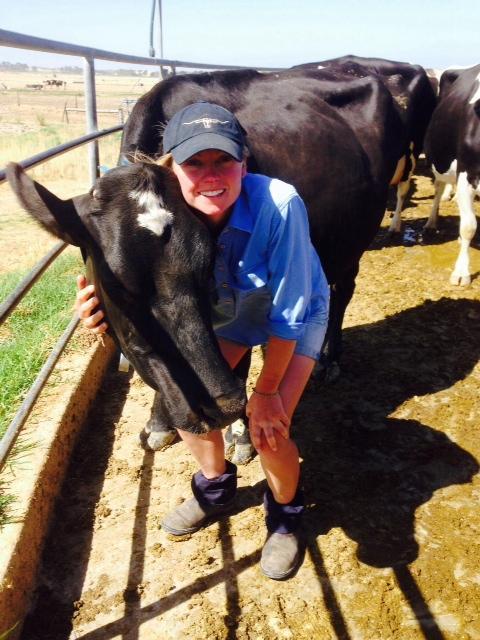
(152, 260)
(415, 98)
(452, 145)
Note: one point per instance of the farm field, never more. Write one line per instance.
(34, 120)
(390, 461)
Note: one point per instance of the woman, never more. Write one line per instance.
(269, 289)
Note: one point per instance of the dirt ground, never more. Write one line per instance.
(390, 468)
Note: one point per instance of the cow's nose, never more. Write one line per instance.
(226, 408)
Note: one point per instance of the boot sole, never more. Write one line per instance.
(209, 519)
(282, 576)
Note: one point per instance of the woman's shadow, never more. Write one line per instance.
(364, 471)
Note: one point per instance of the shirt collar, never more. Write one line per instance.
(241, 217)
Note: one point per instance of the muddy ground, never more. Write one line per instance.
(390, 467)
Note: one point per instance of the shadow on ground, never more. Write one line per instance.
(363, 471)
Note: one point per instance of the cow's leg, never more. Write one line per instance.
(340, 295)
(156, 435)
(468, 226)
(238, 446)
(448, 193)
(440, 181)
(396, 223)
(402, 189)
(432, 222)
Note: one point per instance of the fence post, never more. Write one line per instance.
(91, 113)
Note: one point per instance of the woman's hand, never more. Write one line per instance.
(86, 304)
(267, 420)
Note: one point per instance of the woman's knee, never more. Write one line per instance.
(286, 448)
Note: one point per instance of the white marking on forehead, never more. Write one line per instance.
(155, 217)
(476, 93)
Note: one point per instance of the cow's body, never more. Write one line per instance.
(415, 98)
(152, 260)
(337, 140)
(452, 145)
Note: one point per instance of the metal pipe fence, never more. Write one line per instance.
(89, 55)
(9, 304)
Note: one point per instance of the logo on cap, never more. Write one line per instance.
(207, 122)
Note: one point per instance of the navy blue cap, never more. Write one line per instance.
(202, 126)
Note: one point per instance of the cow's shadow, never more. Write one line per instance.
(365, 471)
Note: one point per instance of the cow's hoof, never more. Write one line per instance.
(238, 448)
(460, 281)
(327, 372)
(393, 236)
(228, 442)
(429, 233)
(393, 232)
(157, 440)
(333, 373)
(243, 453)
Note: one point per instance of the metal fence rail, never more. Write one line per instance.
(22, 41)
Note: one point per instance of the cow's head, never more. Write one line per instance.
(152, 261)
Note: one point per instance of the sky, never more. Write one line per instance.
(262, 33)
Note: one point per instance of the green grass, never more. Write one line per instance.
(28, 336)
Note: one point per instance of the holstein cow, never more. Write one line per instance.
(337, 139)
(414, 96)
(452, 145)
(152, 260)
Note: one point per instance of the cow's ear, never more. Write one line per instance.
(57, 216)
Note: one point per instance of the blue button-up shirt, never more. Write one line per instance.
(268, 277)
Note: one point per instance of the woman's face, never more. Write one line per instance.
(211, 182)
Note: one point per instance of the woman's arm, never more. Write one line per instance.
(265, 410)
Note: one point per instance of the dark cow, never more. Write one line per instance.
(452, 145)
(152, 260)
(414, 96)
(337, 140)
